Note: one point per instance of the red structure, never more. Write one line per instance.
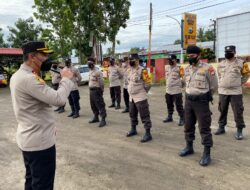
(11, 51)
(160, 69)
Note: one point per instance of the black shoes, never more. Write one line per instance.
(238, 135)
(103, 122)
(220, 131)
(112, 105)
(61, 110)
(168, 119)
(181, 121)
(132, 132)
(126, 110)
(57, 109)
(187, 150)
(205, 159)
(76, 115)
(147, 137)
(118, 107)
(94, 120)
(71, 114)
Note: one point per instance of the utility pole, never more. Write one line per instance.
(214, 25)
(150, 34)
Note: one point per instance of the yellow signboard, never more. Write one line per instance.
(189, 29)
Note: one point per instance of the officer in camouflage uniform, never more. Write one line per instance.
(201, 82)
(115, 76)
(137, 89)
(74, 96)
(232, 74)
(174, 74)
(96, 88)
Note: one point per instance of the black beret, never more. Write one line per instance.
(91, 59)
(193, 49)
(134, 56)
(172, 56)
(230, 48)
(35, 46)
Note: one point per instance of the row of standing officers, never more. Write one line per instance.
(32, 98)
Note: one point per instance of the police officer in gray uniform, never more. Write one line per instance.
(55, 80)
(74, 95)
(125, 67)
(32, 100)
(115, 76)
(174, 90)
(138, 99)
(96, 88)
(201, 82)
(232, 74)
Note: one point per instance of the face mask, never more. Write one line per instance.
(132, 63)
(54, 66)
(170, 61)
(229, 55)
(90, 65)
(67, 64)
(46, 65)
(193, 60)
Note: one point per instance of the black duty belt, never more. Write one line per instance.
(94, 88)
(200, 98)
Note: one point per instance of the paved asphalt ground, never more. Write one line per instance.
(89, 157)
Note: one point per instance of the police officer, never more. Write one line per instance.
(125, 66)
(201, 82)
(96, 88)
(138, 98)
(232, 74)
(174, 74)
(115, 76)
(55, 80)
(32, 100)
(74, 96)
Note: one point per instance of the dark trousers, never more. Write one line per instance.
(115, 94)
(143, 108)
(74, 98)
(97, 102)
(198, 111)
(177, 99)
(126, 97)
(55, 87)
(237, 107)
(40, 169)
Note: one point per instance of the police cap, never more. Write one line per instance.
(230, 48)
(193, 50)
(35, 46)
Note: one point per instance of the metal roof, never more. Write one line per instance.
(11, 51)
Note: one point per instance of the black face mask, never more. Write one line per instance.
(54, 66)
(46, 65)
(170, 61)
(193, 60)
(229, 55)
(91, 65)
(132, 63)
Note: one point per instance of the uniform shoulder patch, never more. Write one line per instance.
(38, 79)
(211, 70)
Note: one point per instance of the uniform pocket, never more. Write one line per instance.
(200, 81)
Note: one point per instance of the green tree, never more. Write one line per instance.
(178, 41)
(2, 41)
(134, 50)
(201, 35)
(24, 30)
(210, 35)
(116, 15)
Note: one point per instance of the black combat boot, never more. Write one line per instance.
(168, 119)
(112, 105)
(117, 107)
(71, 114)
(76, 115)
(147, 136)
(205, 159)
(187, 150)
(238, 135)
(181, 121)
(95, 119)
(126, 110)
(132, 131)
(103, 122)
(61, 110)
(220, 130)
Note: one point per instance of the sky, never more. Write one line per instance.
(165, 30)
